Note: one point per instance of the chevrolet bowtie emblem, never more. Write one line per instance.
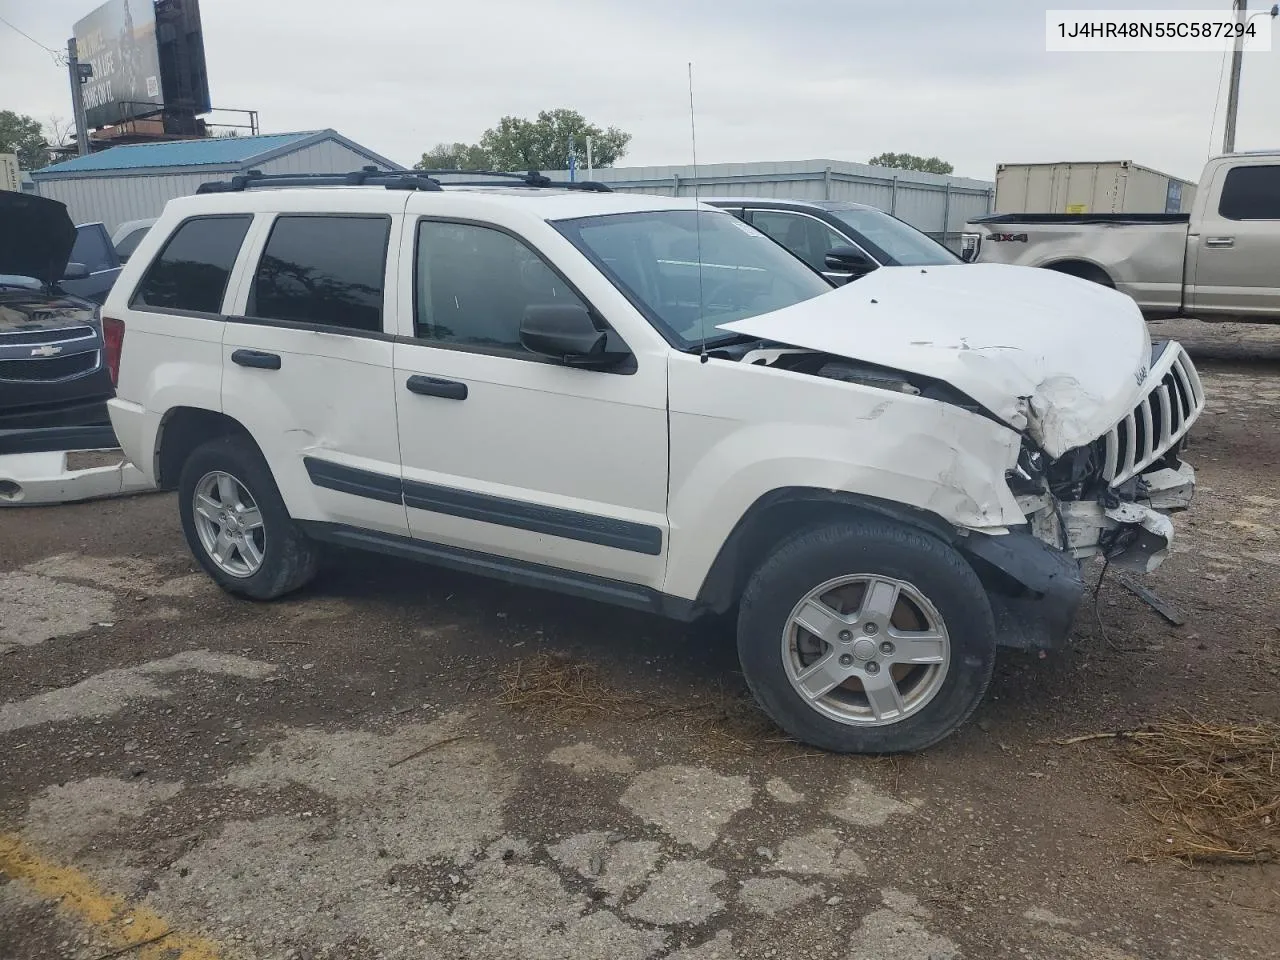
(46, 351)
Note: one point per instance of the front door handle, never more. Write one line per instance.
(256, 358)
(435, 387)
(1219, 241)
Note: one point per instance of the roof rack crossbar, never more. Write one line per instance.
(369, 176)
(396, 180)
(530, 179)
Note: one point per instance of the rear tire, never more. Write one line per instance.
(935, 645)
(237, 525)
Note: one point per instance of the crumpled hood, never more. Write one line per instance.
(36, 236)
(1059, 357)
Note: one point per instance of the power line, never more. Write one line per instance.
(59, 57)
(1217, 100)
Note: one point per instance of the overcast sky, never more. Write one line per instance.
(774, 79)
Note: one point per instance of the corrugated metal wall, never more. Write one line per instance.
(117, 198)
(930, 202)
(327, 156)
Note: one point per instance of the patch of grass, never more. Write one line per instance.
(559, 691)
(1213, 788)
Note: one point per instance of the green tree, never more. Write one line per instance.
(23, 135)
(543, 144)
(517, 145)
(909, 161)
(454, 156)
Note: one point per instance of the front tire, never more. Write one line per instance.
(866, 636)
(236, 523)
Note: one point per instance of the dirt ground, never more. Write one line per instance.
(335, 775)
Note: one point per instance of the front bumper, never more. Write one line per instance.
(1135, 535)
(1034, 588)
(1033, 576)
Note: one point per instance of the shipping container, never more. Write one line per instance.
(1119, 186)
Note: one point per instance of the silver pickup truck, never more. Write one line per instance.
(1220, 262)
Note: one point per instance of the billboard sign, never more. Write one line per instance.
(119, 40)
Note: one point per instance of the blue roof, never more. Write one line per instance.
(218, 151)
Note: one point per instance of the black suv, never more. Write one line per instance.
(841, 239)
(52, 372)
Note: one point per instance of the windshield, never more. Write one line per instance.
(653, 258)
(893, 242)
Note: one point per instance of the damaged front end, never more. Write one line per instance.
(1112, 497)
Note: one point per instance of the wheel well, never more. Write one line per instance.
(1084, 270)
(779, 515)
(182, 430)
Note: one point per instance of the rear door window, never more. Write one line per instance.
(192, 270)
(92, 249)
(1251, 193)
(325, 270)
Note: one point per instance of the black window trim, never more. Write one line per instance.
(1226, 178)
(276, 217)
(178, 311)
(625, 366)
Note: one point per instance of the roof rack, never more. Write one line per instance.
(531, 179)
(368, 176)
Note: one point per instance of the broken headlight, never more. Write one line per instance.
(1027, 477)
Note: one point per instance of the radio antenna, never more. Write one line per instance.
(697, 219)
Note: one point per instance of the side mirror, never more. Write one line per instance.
(566, 332)
(75, 271)
(849, 260)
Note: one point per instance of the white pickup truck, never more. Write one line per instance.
(1220, 262)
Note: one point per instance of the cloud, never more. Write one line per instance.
(844, 79)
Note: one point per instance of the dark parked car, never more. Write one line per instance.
(52, 372)
(94, 251)
(843, 240)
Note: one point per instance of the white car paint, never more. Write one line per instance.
(682, 445)
(41, 479)
(1023, 343)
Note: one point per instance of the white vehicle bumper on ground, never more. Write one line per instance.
(62, 476)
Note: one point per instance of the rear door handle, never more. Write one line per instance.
(435, 387)
(256, 358)
(1219, 241)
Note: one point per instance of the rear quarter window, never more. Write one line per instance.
(192, 270)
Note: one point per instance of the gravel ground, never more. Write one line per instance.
(333, 776)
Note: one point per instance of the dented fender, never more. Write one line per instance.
(729, 447)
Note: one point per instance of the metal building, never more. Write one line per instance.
(938, 205)
(136, 181)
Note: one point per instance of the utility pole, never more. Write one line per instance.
(79, 73)
(1241, 8)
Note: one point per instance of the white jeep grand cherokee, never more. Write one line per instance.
(646, 402)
